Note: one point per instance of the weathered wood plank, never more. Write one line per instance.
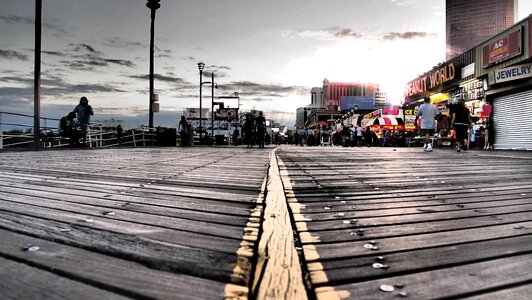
(78, 212)
(105, 272)
(20, 281)
(417, 260)
(363, 232)
(71, 202)
(455, 282)
(160, 255)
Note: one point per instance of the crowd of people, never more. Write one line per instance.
(347, 136)
(255, 130)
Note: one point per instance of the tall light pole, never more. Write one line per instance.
(153, 5)
(201, 66)
(37, 76)
(213, 86)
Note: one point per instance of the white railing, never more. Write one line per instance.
(16, 131)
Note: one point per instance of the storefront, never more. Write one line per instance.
(507, 64)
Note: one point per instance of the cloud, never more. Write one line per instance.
(339, 32)
(57, 30)
(9, 54)
(407, 35)
(120, 43)
(330, 33)
(53, 53)
(11, 19)
(263, 90)
(82, 89)
(85, 48)
(90, 58)
(346, 32)
(171, 79)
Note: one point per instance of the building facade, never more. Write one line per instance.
(316, 97)
(495, 79)
(471, 22)
(302, 114)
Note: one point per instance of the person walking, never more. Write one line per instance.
(183, 131)
(461, 121)
(427, 112)
(359, 135)
(261, 129)
(119, 132)
(83, 112)
(249, 130)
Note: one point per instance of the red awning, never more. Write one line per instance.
(388, 121)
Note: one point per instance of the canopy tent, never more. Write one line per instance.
(384, 121)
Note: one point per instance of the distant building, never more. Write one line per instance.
(109, 124)
(333, 91)
(471, 22)
(316, 97)
(302, 114)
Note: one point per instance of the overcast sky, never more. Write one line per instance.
(272, 52)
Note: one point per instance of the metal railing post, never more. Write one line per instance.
(133, 135)
(1, 133)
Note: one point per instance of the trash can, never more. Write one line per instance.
(219, 139)
(165, 137)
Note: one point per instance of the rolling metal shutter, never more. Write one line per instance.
(512, 118)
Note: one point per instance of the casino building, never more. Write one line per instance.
(471, 22)
(333, 91)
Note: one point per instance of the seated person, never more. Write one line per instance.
(68, 129)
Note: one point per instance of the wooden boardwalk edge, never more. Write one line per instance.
(246, 253)
(278, 271)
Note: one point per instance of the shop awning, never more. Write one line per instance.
(389, 121)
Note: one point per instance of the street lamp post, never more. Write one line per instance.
(153, 5)
(37, 76)
(201, 66)
(213, 85)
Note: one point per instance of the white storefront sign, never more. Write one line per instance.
(380, 99)
(513, 73)
(468, 70)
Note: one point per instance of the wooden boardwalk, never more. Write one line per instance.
(382, 223)
(142, 223)
(215, 223)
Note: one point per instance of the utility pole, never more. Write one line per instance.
(37, 76)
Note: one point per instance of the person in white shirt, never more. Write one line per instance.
(427, 112)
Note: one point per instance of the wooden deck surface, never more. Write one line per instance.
(143, 223)
(382, 223)
(190, 223)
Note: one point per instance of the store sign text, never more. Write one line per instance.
(513, 73)
(502, 49)
(431, 80)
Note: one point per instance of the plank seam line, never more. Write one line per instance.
(278, 272)
(247, 255)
